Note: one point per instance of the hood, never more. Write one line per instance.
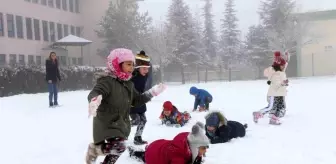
(193, 90)
(221, 117)
(197, 138)
(98, 75)
(180, 142)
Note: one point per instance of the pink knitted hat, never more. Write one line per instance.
(116, 57)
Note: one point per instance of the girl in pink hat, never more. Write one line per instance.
(110, 102)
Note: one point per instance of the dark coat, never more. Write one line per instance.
(112, 118)
(139, 82)
(226, 131)
(149, 82)
(52, 71)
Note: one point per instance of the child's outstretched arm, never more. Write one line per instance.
(196, 103)
(103, 87)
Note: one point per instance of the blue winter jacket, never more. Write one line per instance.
(139, 82)
(201, 96)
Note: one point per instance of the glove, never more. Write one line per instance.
(168, 123)
(94, 104)
(157, 89)
(177, 125)
(269, 82)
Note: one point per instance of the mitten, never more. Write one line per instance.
(94, 104)
(177, 125)
(157, 89)
(269, 82)
(168, 123)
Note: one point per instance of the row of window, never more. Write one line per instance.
(36, 60)
(32, 28)
(66, 5)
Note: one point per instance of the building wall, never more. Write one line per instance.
(319, 57)
(83, 19)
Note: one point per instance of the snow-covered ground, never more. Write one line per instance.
(32, 133)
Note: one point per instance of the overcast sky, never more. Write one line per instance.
(246, 9)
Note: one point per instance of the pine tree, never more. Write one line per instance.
(229, 41)
(209, 33)
(123, 27)
(279, 22)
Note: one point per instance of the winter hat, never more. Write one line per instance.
(168, 106)
(197, 138)
(142, 60)
(212, 120)
(278, 60)
(193, 90)
(115, 58)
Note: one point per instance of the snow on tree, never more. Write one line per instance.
(229, 44)
(124, 27)
(279, 21)
(209, 33)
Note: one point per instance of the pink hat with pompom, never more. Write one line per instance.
(116, 57)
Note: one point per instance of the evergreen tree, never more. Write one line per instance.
(209, 33)
(123, 27)
(230, 44)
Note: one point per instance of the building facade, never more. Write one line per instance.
(317, 54)
(29, 27)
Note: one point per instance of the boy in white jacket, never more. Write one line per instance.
(277, 91)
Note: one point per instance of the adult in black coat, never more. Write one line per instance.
(52, 77)
(149, 82)
(139, 79)
(220, 130)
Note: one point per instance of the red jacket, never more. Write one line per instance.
(174, 151)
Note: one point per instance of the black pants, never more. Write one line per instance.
(140, 120)
(207, 102)
(113, 147)
(278, 106)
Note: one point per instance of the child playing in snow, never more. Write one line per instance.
(202, 98)
(219, 130)
(170, 116)
(139, 79)
(110, 102)
(276, 105)
(185, 148)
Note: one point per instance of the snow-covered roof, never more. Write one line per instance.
(72, 40)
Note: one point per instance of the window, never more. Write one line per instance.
(59, 31)
(71, 5)
(64, 5)
(78, 31)
(31, 59)
(38, 60)
(44, 2)
(12, 59)
(19, 26)
(29, 28)
(77, 6)
(45, 31)
(58, 4)
(51, 3)
(3, 59)
(22, 59)
(72, 30)
(80, 61)
(74, 61)
(37, 30)
(52, 31)
(66, 30)
(1, 25)
(10, 25)
(35, 1)
(62, 60)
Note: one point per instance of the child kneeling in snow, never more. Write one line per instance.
(185, 148)
(170, 115)
(202, 98)
(219, 130)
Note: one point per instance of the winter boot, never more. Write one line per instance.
(110, 159)
(274, 120)
(138, 141)
(138, 155)
(92, 153)
(51, 104)
(55, 103)
(257, 116)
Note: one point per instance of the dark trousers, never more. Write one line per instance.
(278, 106)
(140, 120)
(207, 101)
(53, 92)
(113, 147)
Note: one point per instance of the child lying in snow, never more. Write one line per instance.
(170, 116)
(219, 130)
(185, 148)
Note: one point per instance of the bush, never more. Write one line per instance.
(22, 79)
